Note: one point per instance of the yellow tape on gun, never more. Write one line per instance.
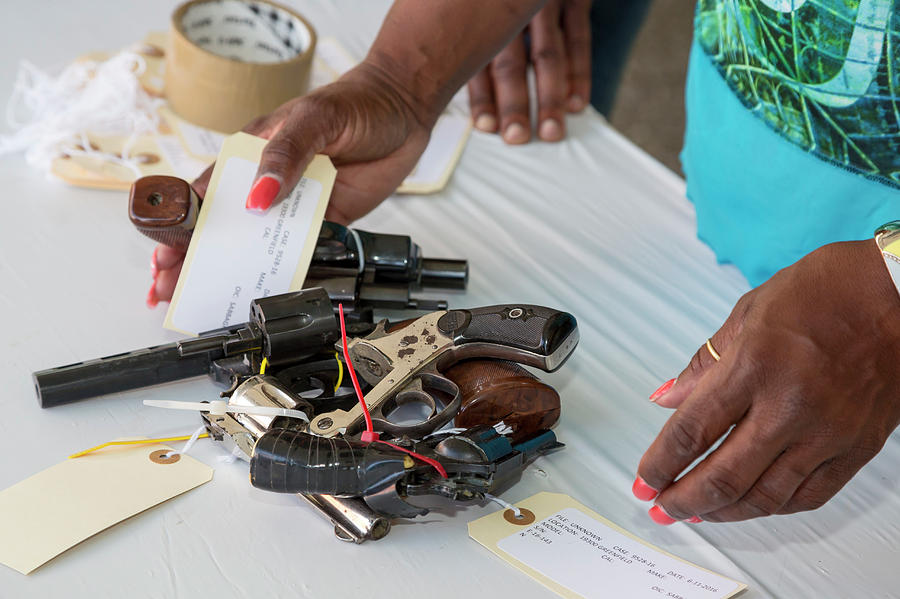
(230, 61)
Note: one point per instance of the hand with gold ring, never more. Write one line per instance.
(805, 371)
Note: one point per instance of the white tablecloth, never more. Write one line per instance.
(591, 225)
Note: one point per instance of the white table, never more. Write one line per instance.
(591, 225)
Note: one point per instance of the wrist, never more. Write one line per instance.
(409, 78)
(398, 91)
(882, 300)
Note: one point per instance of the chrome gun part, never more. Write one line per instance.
(353, 520)
(265, 390)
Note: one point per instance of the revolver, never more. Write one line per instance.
(362, 270)
(406, 365)
(475, 462)
(409, 364)
(492, 392)
(291, 331)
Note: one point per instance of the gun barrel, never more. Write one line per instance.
(121, 372)
(444, 273)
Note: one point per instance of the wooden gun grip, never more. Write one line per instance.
(496, 391)
(164, 209)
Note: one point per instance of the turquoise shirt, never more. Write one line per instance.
(793, 129)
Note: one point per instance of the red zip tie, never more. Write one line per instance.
(369, 434)
(430, 461)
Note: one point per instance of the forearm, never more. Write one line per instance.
(429, 49)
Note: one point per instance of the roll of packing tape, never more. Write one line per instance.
(230, 61)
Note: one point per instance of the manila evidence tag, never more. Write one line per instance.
(575, 552)
(236, 256)
(57, 508)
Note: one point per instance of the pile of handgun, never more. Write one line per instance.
(446, 386)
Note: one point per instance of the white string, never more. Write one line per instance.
(359, 249)
(235, 455)
(53, 116)
(190, 443)
(516, 511)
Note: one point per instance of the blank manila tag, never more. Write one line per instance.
(575, 552)
(59, 507)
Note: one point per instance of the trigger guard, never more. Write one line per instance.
(437, 418)
(414, 396)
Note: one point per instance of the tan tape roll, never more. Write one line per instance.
(230, 61)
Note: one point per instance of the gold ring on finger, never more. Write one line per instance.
(712, 350)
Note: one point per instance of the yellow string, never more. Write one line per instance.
(340, 379)
(135, 442)
(262, 370)
(337, 385)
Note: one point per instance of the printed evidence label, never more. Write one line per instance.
(593, 560)
(242, 256)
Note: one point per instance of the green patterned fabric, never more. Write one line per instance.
(825, 74)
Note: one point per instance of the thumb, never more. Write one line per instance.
(672, 393)
(201, 183)
(285, 157)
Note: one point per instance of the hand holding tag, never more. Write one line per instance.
(235, 257)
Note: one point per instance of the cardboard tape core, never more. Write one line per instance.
(231, 61)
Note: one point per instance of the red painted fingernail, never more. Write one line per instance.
(154, 269)
(642, 490)
(663, 389)
(694, 520)
(660, 517)
(262, 194)
(152, 300)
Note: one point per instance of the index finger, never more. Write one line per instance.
(719, 400)
(290, 149)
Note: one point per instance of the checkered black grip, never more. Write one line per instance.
(533, 329)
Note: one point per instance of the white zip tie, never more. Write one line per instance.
(516, 511)
(190, 443)
(446, 431)
(220, 407)
(502, 428)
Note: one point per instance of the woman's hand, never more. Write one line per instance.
(808, 377)
(362, 121)
(561, 54)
